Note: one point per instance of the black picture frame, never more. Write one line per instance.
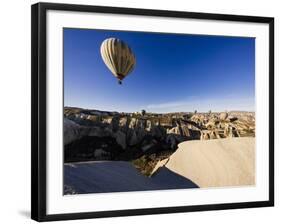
(38, 108)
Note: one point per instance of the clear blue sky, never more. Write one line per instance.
(173, 72)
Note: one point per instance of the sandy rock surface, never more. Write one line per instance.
(215, 163)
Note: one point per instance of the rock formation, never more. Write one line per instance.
(132, 135)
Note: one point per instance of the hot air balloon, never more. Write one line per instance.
(118, 57)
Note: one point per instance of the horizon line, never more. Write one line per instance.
(197, 111)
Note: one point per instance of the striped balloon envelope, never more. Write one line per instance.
(118, 57)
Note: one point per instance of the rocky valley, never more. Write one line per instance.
(144, 138)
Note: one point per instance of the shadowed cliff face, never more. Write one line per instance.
(121, 138)
(92, 148)
(100, 135)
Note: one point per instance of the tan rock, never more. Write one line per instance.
(215, 163)
(223, 116)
